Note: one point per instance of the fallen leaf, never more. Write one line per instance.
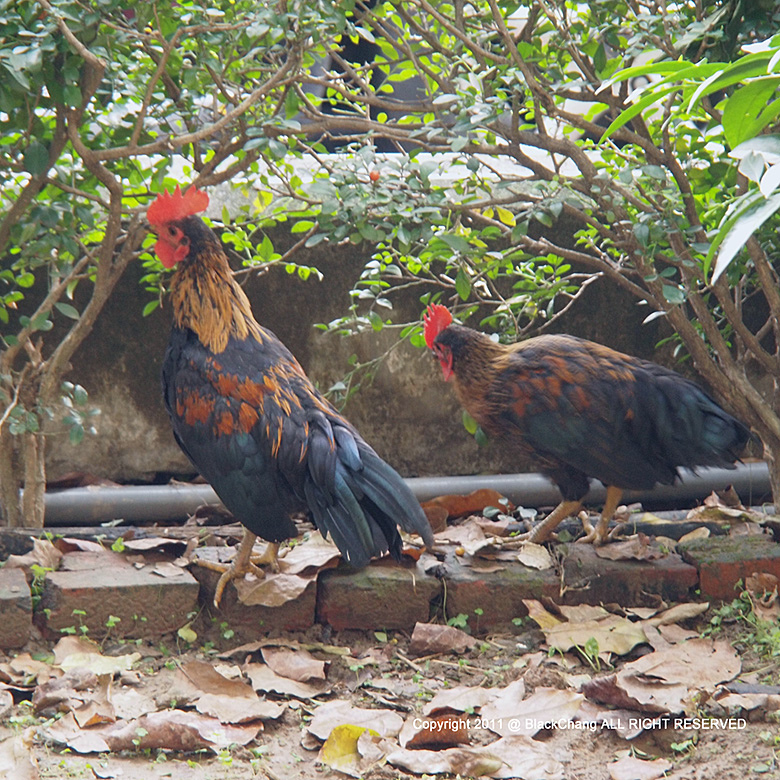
(540, 615)
(517, 756)
(613, 634)
(386, 723)
(98, 707)
(264, 678)
(167, 569)
(631, 768)
(343, 750)
(436, 517)
(164, 730)
(639, 547)
(446, 729)
(762, 588)
(700, 663)
(17, 760)
(43, 554)
(544, 709)
(155, 543)
(273, 590)
(297, 665)
(460, 699)
(58, 693)
(431, 639)
(72, 652)
(316, 553)
(679, 612)
(702, 532)
(473, 503)
(535, 556)
(235, 709)
(204, 678)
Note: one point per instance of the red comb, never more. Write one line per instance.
(435, 320)
(170, 206)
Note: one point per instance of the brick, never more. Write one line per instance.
(499, 594)
(379, 596)
(15, 609)
(249, 622)
(723, 561)
(147, 604)
(589, 579)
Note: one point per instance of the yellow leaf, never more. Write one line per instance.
(187, 633)
(340, 751)
(506, 216)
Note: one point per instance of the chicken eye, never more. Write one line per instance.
(171, 230)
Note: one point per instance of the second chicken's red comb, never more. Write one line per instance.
(435, 320)
(170, 206)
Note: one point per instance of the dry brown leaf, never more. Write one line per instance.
(698, 533)
(273, 590)
(679, 612)
(540, 615)
(700, 663)
(631, 768)
(237, 709)
(535, 556)
(17, 760)
(542, 710)
(762, 588)
(504, 701)
(166, 730)
(97, 708)
(175, 546)
(60, 693)
(129, 703)
(517, 756)
(264, 678)
(465, 534)
(43, 553)
(386, 723)
(446, 729)
(430, 639)
(26, 670)
(582, 612)
(613, 634)
(496, 526)
(74, 652)
(297, 665)
(315, 554)
(459, 699)
(204, 678)
(473, 503)
(639, 547)
(167, 569)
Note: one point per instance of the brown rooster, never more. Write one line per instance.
(250, 420)
(581, 410)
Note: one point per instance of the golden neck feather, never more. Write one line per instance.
(207, 300)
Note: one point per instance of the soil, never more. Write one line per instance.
(285, 750)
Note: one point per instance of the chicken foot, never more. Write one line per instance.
(243, 563)
(593, 534)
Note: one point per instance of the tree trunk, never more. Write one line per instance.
(34, 480)
(10, 480)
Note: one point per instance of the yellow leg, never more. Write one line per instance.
(242, 564)
(598, 535)
(543, 531)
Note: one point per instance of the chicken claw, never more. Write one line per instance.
(243, 563)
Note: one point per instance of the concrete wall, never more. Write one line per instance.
(408, 414)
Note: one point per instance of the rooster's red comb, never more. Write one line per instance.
(170, 206)
(435, 320)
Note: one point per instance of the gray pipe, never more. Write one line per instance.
(162, 503)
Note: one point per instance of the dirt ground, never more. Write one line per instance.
(380, 672)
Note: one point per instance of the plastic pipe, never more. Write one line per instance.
(170, 503)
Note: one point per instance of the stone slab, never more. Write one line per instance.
(380, 596)
(15, 609)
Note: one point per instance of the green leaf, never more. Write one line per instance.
(36, 159)
(637, 108)
(69, 311)
(469, 423)
(740, 231)
(741, 113)
(463, 285)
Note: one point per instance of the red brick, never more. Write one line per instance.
(723, 561)
(15, 609)
(379, 596)
(499, 594)
(249, 622)
(147, 604)
(589, 579)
